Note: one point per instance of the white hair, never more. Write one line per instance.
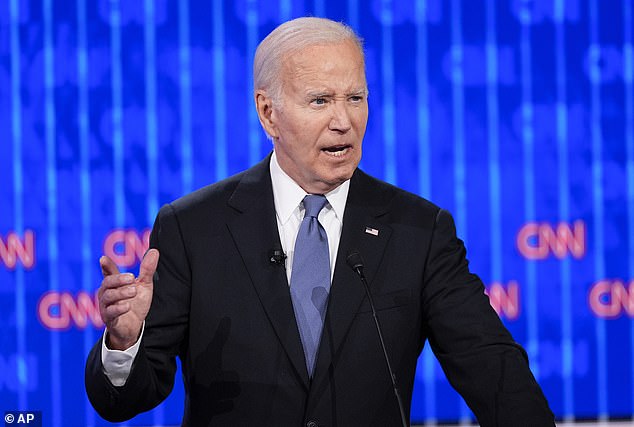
(291, 37)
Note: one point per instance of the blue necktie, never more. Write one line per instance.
(310, 278)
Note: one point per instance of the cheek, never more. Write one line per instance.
(360, 118)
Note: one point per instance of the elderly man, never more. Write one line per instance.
(253, 292)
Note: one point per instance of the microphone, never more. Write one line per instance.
(277, 257)
(355, 262)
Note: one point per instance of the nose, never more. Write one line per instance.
(340, 120)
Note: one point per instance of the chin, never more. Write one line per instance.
(334, 177)
(339, 179)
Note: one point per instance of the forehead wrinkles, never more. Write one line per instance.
(324, 69)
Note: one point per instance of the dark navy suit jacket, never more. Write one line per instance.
(224, 308)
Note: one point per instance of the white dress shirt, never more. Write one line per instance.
(289, 211)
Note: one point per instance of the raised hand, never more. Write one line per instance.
(124, 300)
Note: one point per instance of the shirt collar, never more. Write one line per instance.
(287, 194)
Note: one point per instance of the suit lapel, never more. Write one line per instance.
(363, 232)
(255, 234)
(254, 231)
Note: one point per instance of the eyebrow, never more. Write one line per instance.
(327, 94)
(362, 91)
(321, 94)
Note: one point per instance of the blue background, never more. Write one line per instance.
(503, 112)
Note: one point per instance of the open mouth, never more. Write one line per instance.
(337, 150)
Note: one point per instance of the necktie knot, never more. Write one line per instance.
(314, 203)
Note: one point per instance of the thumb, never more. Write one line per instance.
(148, 266)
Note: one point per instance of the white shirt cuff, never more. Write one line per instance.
(117, 364)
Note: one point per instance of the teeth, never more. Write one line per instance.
(339, 153)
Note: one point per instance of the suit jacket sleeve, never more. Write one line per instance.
(152, 376)
(477, 353)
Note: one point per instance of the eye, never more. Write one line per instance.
(356, 98)
(318, 101)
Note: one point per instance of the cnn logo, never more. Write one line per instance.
(61, 310)
(540, 240)
(610, 299)
(14, 249)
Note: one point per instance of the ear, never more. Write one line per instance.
(264, 107)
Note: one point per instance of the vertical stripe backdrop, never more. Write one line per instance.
(516, 116)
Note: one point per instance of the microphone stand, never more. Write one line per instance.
(356, 263)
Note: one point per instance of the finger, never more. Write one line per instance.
(113, 296)
(115, 310)
(117, 280)
(148, 266)
(108, 267)
(111, 312)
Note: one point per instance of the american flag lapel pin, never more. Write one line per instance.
(372, 231)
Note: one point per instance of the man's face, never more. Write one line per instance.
(319, 122)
